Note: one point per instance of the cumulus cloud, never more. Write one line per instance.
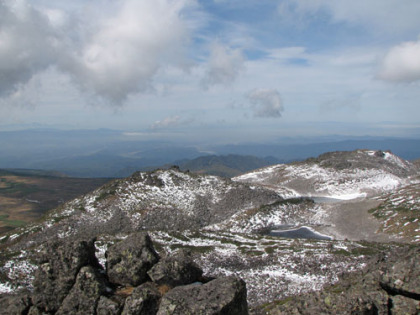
(26, 45)
(224, 65)
(401, 63)
(111, 54)
(266, 102)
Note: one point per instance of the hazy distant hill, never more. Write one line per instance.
(225, 165)
(113, 153)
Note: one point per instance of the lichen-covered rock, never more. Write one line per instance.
(402, 275)
(84, 296)
(36, 311)
(18, 304)
(176, 270)
(129, 260)
(222, 296)
(404, 305)
(59, 264)
(143, 301)
(108, 306)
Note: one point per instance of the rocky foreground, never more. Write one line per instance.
(70, 280)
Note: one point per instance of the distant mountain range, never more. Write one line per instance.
(111, 153)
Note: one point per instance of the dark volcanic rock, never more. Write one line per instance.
(223, 296)
(143, 301)
(176, 270)
(59, 264)
(83, 297)
(129, 260)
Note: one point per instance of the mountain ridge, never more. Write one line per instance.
(224, 223)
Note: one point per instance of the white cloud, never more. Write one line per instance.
(26, 45)
(224, 65)
(111, 50)
(266, 102)
(401, 63)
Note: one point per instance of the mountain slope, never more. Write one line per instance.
(399, 212)
(26, 195)
(341, 175)
(163, 199)
(224, 223)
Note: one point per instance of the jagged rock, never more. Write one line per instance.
(223, 296)
(402, 276)
(59, 264)
(176, 270)
(18, 304)
(107, 306)
(129, 260)
(84, 296)
(143, 301)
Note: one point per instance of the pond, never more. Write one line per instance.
(325, 200)
(300, 232)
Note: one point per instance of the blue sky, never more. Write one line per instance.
(216, 71)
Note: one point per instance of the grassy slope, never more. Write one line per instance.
(25, 195)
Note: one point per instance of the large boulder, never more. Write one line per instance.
(129, 260)
(59, 264)
(176, 270)
(143, 301)
(222, 296)
(84, 296)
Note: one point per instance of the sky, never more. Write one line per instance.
(212, 70)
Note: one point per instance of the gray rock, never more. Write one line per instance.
(107, 306)
(18, 304)
(36, 311)
(59, 264)
(222, 296)
(403, 305)
(129, 260)
(143, 301)
(402, 275)
(84, 296)
(176, 270)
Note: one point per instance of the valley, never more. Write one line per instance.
(26, 195)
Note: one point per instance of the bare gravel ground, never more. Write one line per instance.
(351, 220)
